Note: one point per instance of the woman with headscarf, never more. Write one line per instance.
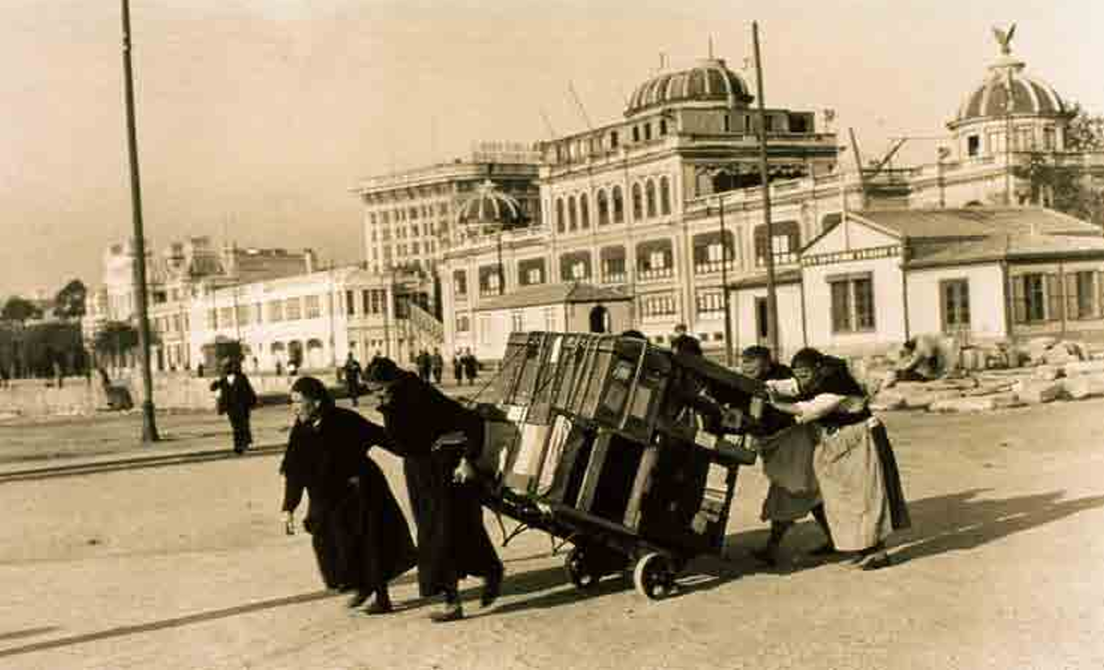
(452, 541)
(853, 461)
(360, 536)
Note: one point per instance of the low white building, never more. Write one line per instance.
(563, 307)
(316, 319)
(980, 274)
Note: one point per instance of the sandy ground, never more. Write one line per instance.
(188, 567)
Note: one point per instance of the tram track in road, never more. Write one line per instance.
(134, 463)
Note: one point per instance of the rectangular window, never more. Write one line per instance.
(276, 311)
(366, 301)
(1081, 295)
(973, 145)
(293, 309)
(657, 260)
(852, 304)
(1029, 297)
(517, 322)
(460, 283)
(226, 317)
(314, 307)
(711, 303)
(954, 296)
(350, 303)
(613, 269)
(463, 324)
(534, 276)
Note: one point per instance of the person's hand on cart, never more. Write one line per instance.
(464, 472)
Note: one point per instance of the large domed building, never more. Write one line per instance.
(665, 204)
(1009, 98)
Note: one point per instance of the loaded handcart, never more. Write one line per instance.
(617, 447)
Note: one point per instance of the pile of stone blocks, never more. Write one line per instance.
(1057, 370)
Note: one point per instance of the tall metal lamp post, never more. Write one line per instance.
(149, 425)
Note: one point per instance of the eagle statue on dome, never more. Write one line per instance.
(1004, 38)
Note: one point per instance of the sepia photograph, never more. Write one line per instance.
(566, 335)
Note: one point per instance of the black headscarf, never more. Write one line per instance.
(311, 387)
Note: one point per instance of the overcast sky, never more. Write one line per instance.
(257, 116)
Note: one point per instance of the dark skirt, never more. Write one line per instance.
(452, 540)
(895, 493)
(243, 435)
(363, 541)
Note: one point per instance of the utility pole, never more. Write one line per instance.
(772, 298)
(149, 425)
(724, 288)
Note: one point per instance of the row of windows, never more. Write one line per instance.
(1040, 297)
(408, 213)
(177, 323)
(573, 213)
(425, 229)
(1023, 139)
(597, 144)
(365, 301)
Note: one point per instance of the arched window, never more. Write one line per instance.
(664, 195)
(603, 208)
(618, 205)
(637, 202)
(650, 196)
(572, 214)
(559, 215)
(584, 212)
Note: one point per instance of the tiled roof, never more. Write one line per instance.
(976, 222)
(553, 294)
(787, 276)
(1006, 247)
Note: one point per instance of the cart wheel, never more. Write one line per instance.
(579, 570)
(654, 576)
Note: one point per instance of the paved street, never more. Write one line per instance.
(188, 567)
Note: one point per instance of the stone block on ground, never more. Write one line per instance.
(1084, 386)
(1037, 392)
(1063, 353)
(887, 400)
(989, 388)
(1047, 372)
(964, 404)
(1089, 367)
(924, 399)
(1006, 400)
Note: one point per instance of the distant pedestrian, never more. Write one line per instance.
(199, 370)
(279, 368)
(425, 365)
(236, 400)
(4, 377)
(437, 365)
(352, 372)
(361, 538)
(471, 366)
(682, 341)
(59, 373)
(458, 367)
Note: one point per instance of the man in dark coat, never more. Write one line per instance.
(360, 536)
(471, 366)
(236, 400)
(437, 365)
(352, 372)
(452, 541)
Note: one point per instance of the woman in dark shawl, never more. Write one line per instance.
(854, 463)
(452, 541)
(360, 536)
